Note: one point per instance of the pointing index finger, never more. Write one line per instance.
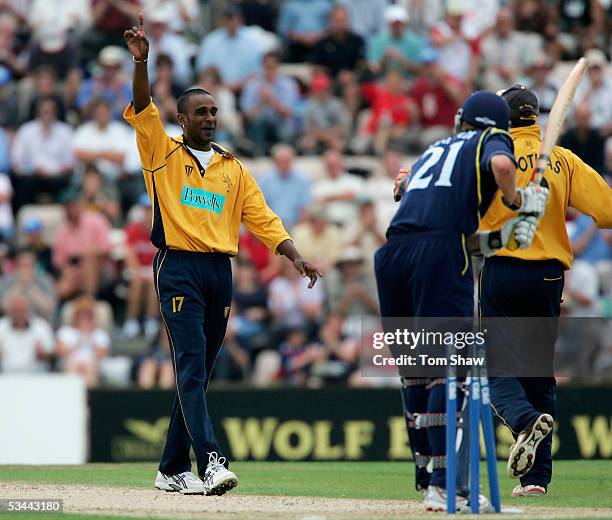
(141, 22)
(313, 279)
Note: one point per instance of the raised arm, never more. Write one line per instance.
(138, 45)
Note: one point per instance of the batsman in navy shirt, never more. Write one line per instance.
(424, 269)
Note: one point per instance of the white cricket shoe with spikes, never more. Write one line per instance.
(218, 480)
(185, 483)
(522, 454)
(529, 490)
(435, 500)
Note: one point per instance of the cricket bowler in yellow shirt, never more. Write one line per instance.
(201, 194)
(529, 283)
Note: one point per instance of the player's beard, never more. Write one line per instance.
(199, 137)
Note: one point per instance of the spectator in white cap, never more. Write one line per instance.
(162, 40)
(397, 47)
(596, 91)
(108, 83)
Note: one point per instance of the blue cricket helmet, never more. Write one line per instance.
(484, 109)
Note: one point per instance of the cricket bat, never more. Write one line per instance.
(554, 126)
(557, 118)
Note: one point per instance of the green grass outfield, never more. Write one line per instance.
(576, 483)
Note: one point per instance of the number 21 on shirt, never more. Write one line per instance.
(423, 175)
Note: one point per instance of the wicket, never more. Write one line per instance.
(476, 388)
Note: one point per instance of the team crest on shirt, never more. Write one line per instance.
(529, 143)
(227, 181)
(188, 169)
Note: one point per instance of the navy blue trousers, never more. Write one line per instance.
(517, 288)
(195, 291)
(425, 274)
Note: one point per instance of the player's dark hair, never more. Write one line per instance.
(181, 102)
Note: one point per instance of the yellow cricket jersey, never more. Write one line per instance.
(196, 209)
(570, 181)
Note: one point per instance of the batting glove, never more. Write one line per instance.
(401, 182)
(523, 232)
(516, 233)
(530, 201)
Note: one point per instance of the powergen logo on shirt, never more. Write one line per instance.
(203, 199)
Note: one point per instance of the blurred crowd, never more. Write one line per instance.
(325, 100)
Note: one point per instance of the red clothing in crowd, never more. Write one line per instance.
(255, 251)
(114, 20)
(137, 237)
(384, 103)
(436, 107)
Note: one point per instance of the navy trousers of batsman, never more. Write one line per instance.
(511, 287)
(195, 291)
(425, 274)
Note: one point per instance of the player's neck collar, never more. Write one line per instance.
(526, 131)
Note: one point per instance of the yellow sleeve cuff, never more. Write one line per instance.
(137, 120)
(278, 242)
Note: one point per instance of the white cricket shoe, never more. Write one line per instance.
(530, 490)
(218, 480)
(435, 500)
(522, 453)
(185, 483)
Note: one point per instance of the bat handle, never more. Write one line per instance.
(512, 245)
(536, 178)
(538, 173)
